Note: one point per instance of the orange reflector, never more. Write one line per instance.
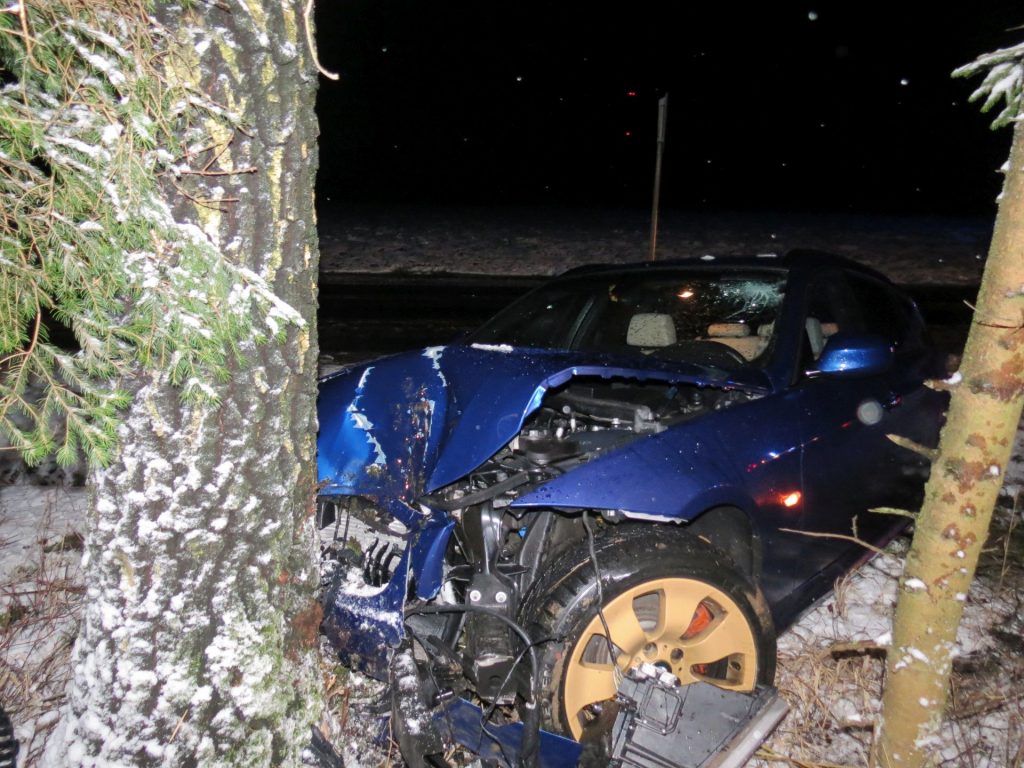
(791, 499)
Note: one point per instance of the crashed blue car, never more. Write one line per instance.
(655, 466)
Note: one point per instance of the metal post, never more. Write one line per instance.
(662, 114)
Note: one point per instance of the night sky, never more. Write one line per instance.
(828, 107)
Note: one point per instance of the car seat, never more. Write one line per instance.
(738, 336)
(651, 330)
(818, 333)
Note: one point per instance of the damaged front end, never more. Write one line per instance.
(452, 477)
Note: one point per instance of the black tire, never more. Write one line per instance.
(650, 572)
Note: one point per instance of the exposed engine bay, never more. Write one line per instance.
(575, 424)
(468, 634)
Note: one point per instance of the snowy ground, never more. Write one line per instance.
(831, 665)
(528, 241)
(40, 602)
(833, 695)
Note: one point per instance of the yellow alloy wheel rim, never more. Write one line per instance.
(684, 626)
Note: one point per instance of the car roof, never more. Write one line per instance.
(799, 260)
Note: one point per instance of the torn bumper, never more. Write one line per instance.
(654, 725)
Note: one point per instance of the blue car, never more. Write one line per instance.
(652, 466)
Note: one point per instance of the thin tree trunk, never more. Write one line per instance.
(198, 644)
(984, 413)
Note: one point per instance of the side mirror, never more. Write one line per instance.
(855, 354)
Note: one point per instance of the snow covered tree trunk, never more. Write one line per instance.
(984, 413)
(198, 642)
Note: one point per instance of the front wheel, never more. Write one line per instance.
(668, 600)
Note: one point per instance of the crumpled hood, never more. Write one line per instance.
(407, 425)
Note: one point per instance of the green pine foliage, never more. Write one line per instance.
(1004, 82)
(92, 137)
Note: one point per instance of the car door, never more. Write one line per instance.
(850, 465)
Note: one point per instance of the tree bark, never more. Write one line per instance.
(198, 642)
(985, 410)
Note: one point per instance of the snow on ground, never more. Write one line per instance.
(530, 241)
(831, 666)
(834, 696)
(40, 602)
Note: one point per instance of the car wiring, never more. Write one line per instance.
(613, 652)
(508, 675)
(483, 495)
(528, 751)
(486, 715)
(430, 671)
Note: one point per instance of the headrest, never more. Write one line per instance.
(651, 329)
(815, 335)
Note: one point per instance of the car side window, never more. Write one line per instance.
(831, 308)
(887, 313)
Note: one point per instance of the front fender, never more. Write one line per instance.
(673, 476)
(381, 426)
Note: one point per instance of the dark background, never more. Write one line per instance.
(488, 102)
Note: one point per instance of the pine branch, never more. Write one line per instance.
(1004, 81)
(90, 127)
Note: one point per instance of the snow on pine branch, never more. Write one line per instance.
(1004, 81)
(91, 137)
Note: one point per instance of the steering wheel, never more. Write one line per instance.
(719, 349)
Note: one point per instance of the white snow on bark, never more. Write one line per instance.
(918, 655)
(141, 613)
